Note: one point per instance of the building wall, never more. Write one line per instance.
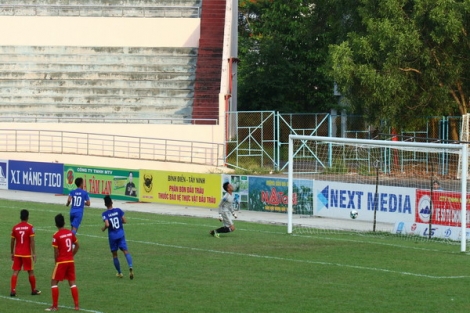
(99, 31)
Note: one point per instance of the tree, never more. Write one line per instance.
(283, 46)
(403, 59)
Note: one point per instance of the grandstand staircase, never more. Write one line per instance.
(209, 61)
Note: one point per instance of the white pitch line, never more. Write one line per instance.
(293, 260)
(47, 304)
(320, 236)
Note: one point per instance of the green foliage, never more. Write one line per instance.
(180, 268)
(246, 160)
(393, 59)
(282, 47)
(253, 170)
(251, 165)
(406, 59)
(338, 167)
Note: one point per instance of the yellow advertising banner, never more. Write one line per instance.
(179, 188)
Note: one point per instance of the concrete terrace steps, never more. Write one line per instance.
(114, 82)
(103, 8)
(125, 76)
(100, 59)
(98, 83)
(90, 111)
(90, 100)
(122, 12)
(32, 67)
(96, 51)
(92, 117)
(96, 108)
(145, 117)
(107, 2)
(97, 92)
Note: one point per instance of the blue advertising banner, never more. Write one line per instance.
(3, 174)
(35, 176)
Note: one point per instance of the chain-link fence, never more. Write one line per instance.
(258, 141)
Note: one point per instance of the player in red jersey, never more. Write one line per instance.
(23, 253)
(65, 247)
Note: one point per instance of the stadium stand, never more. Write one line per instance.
(86, 82)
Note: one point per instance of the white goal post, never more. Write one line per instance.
(414, 186)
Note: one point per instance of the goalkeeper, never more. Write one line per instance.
(226, 212)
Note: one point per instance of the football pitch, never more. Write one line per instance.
(179, 267)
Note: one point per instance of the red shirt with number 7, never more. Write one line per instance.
(22, 233)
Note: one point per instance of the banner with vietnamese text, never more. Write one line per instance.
(99, 181)
(180, 188)
(35, 176)
(270, 194)
(446, 207)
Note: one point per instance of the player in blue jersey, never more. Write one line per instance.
(78, 198)
(114, 221)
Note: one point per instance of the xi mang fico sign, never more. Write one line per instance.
(34, 176)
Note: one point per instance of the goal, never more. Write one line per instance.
(409, 188)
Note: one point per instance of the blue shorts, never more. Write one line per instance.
(119, 243)
(76, 219)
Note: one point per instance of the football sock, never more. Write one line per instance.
(74, 291)
(129, 259)
(55, 296)
(13, 281)
(223, 229)
(32, 282)
(117, 265)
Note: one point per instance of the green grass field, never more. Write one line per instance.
(179, 267)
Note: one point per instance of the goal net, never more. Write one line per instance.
(405, 188)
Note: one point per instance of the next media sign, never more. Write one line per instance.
(334, 199)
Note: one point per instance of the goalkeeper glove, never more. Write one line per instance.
(220, 218)
(234, 215)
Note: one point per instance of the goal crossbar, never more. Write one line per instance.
(460, 149)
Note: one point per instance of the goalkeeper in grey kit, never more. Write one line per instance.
(226, 212)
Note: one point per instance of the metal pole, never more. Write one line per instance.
(290, 186)
(463, 243)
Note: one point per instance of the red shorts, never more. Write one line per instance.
(22, 262)
(64, 271)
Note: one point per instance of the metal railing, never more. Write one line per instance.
(101, 10)
(125, 147)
